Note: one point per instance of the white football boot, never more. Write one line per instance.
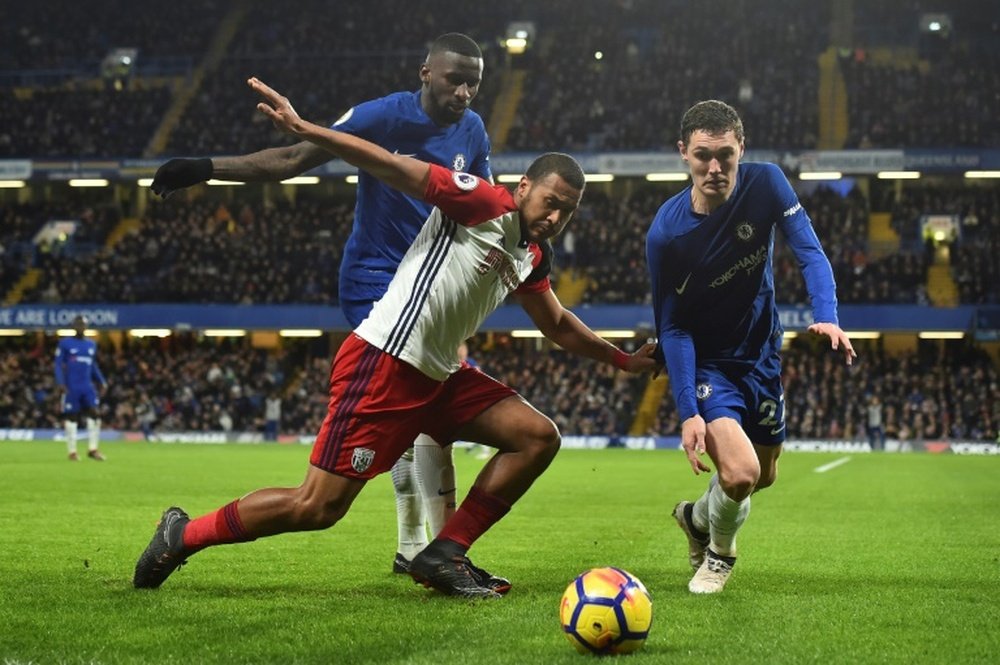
(713, 573)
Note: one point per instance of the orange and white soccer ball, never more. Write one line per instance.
(606, 611)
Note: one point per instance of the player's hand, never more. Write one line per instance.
(642, 360)
(693, 441)
(838, 339)
(276, 107)
(180, 173)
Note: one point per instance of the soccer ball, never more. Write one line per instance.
(606, 611)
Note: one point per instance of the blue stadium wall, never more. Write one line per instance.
(982, 320)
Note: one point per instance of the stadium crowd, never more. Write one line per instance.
(934, 89)
(89, 122)
(377, 50)
(973, 257)
(949, 391)
(862, 278)
(205, 251)
(60, 101)
(650, 66)
(176, 386)
(641, 72)
(24, 244)
(581, 397)
(210, 252)
(35, 36)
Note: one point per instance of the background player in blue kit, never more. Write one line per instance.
(434, 125)
(76, 373)
(709, 256)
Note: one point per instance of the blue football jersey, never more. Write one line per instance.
(712, 280)
(386, 221)
(76, 364)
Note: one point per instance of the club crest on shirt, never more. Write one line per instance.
(744, 231)
(703, 391)
(465, 182)
(458, 164)
(362, 459)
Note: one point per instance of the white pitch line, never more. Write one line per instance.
(832, 465)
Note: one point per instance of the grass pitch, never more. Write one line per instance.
(884, 559)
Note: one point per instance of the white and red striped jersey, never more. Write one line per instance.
(466, 260)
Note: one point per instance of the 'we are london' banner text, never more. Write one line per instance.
(886, 318)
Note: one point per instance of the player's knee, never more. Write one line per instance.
(331, 513)
(739, 483)
(552, 441)
(327, 514)
(312, 512)
(543, 440)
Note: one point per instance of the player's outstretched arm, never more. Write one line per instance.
(180, 173)
(565, 329)
(406, 174)
(838, 339)
(268, 165)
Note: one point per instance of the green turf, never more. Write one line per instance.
(888, 558)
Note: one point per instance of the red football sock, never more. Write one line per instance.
(217, 528)
(474, 517)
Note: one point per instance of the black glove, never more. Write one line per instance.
(180, 173)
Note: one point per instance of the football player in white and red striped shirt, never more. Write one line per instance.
(398, 374)
(434, 124)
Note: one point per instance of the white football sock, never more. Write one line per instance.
(93, 433)
(71, 436)
(727, 516)
(699, 513)
(409, 508)
(434, 469)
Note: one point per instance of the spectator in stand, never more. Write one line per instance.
(145, 413)
(272, 416)
(874, 423)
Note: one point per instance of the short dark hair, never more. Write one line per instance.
(559, 163)
(456, 42)
(712, 116)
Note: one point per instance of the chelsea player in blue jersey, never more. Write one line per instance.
(709, 256)
(436, 125)
(76, 372)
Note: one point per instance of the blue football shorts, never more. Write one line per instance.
(75, 401)
(755, 398)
